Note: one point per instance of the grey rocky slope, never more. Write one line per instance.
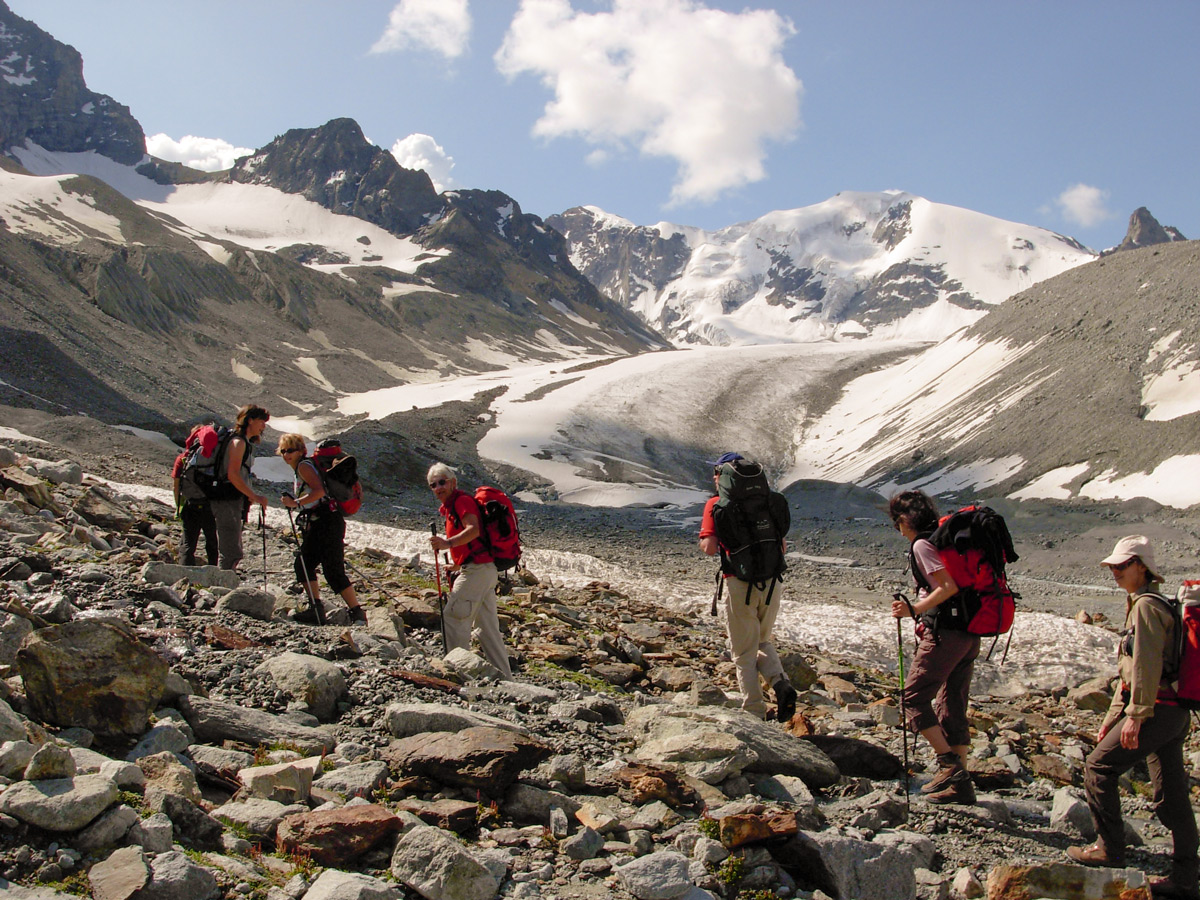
(583, 778)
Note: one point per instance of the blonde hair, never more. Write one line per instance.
(292, 442)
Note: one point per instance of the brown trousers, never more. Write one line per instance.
(1160, 743)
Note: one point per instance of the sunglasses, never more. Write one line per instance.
(293, 450)
(1121, 567)
(441, 482)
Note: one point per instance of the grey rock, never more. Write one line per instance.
(407, 719)
(61, 804)
(333, 884)
(289, 782)
(585, 844)
(121, 876)
(57, 609)
(258, 817)
(14, 757)
(1070, 813)
(64, 471)
(866, 870)
(527, 803)
(203, 576)
(50, 761)
(355, 780)
(316, 682)
(13, 630)
(193, 826)
(434, 864)
(658, 876)
(154, 834)
(249, 601)
(108, 830)
(214, 721)
(471, 666)
(175, 877)
(164, 737)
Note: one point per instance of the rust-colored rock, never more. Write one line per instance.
(332, 836)
(749, 828)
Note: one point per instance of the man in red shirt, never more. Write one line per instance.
(749, 620)
(472, 602)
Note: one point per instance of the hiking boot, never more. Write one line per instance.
(308, 615)
(785, 700)
(958, 789)
(1094, 855)
(949, 765)
(358, 615)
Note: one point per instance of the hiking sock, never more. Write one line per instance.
(949, 766)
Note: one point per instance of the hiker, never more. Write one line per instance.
(195, 515)
(1143, 723)
(234, 495)
(750, 611)
(472, 600)
(938, 684)
(324, 533)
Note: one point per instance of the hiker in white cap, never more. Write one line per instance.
(1143, 723)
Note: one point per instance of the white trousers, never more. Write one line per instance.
(472, 604)
(750, 625)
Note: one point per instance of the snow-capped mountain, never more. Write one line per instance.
(885, 265)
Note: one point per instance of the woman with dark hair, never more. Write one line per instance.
(324, 530)
(937, 688)
(1144, 722)
(235, 496)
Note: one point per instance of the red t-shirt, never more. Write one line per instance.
(463, 505)
(177, 469)
(708, 525)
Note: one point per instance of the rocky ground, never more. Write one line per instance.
(253, 756)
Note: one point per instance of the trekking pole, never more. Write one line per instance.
(903, 711)
(262, 527)
(437, 568)
(717, 592)
(313, 602)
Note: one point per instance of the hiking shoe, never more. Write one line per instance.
(1168, 887)
(785, 700)
(358, 615)
(1094, 855)
(949, 765)
(958, 790)
(308, 615)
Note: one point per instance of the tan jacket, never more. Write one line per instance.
(1141, 658)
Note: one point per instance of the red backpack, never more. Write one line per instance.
(975, 547)
(339, 474)
(497, 526)
(1186, 609)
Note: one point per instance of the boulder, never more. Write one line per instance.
(405, 719)
(315, 682)
(258, 818)
(355, 780)
(857, 758)
(92, 674)
(778, 752)
(1064, 880)
(60, 804)
(334, 836)
(101, 510)
(202, 576)
(485, 758)
(656, 876)
(333, 884)
(438, 867)
(249, 601)
(214, 721)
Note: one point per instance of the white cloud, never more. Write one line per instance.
(439, 25)
(420, 151)
(205, 154)
(1083, 205)
(672, 78)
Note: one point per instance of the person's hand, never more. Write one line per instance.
(901, 609)
(260, 499)
(438, 542)
(1129, 733)
(288, 501)
(1104, 729)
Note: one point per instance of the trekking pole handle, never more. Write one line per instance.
(904, 599)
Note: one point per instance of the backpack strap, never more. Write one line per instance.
(482, 542)
(1170, 672)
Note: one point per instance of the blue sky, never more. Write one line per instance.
(1066, 115)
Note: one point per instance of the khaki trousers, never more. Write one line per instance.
(472, 605)
(750, 625)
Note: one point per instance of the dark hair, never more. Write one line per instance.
(916, 509)
(248, 412)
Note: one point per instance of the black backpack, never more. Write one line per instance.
(752, 521)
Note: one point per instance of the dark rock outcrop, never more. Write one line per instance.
(44, 99)
(1145, 230)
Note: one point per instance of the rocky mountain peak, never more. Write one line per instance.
(44, 99)
(1145, 230)
(336, 166)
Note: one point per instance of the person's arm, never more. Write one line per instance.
(314, 487)
(710, 545)
(1149, 646)
(175, 488)
(942, 588)
(470, 531)
(233, 471)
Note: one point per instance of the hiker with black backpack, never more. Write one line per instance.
(195, 514)
(323, 534)
(747, 524)
(937, 688)
(473, 573)
(1144, 722)
(232, 496)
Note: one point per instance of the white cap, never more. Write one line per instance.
(1127, 548)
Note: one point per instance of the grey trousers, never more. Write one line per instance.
(229, 515)
(472, 605)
